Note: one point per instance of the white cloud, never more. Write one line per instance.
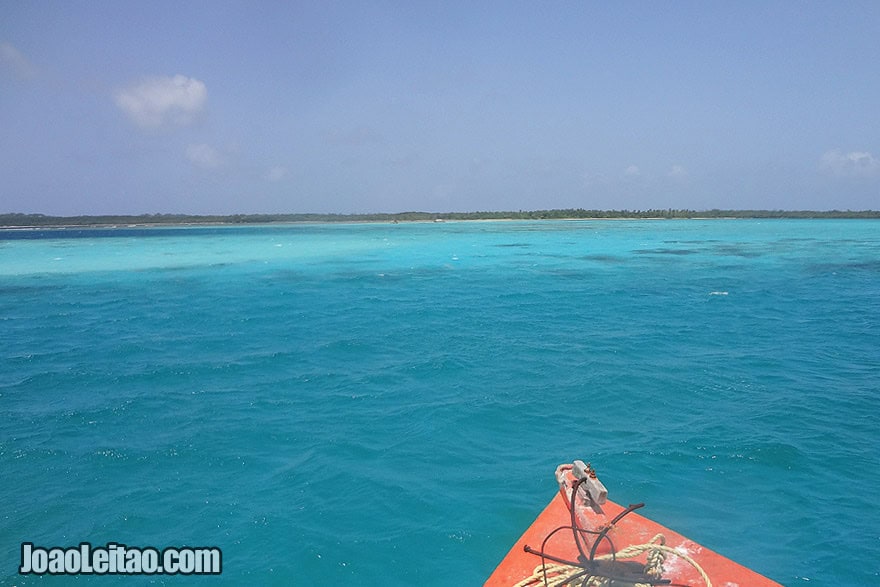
(852, 164)
(276, 173)
(204, 156)
(12, 59)
(162, 101)
(632, 171)
(677, 172)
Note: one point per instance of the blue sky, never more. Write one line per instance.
(241, 107)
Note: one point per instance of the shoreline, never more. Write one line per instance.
(124, 222)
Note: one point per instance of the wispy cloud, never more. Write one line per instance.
(276, 173)
(852, 164)
(204, 156)
(594, 180)
(162, 101)
(678, 172)
(13, 60)
(632, 171)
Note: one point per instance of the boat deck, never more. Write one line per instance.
(631, 529)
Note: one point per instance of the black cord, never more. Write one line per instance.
(572, 509)
(604, 533)
(588, 564)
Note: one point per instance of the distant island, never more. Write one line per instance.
(18, 220)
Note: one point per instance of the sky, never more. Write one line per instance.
(356, 107)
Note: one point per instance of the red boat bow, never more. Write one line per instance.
(581, 538)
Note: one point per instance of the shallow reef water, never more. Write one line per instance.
(386, 403)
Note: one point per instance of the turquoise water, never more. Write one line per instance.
(384, 404)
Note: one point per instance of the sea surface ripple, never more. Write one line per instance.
(384, 404)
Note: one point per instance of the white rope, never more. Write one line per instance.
(560, 574)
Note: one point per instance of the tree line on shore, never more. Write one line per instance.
(42, 220)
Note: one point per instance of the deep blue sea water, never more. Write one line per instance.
(382, 404)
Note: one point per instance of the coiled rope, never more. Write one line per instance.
(558, 575)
